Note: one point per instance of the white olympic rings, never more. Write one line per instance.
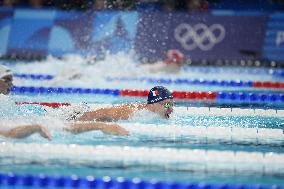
(199, 35)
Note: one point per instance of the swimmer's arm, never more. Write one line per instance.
(27, 130)
(77, 128)
(103, 115)
(155, 67)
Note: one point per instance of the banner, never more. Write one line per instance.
(92, 33)
(6, 16)
(29, 33)
(113, 31)
(38, 33)
(273, 48)
(200, 36)
(70, 33)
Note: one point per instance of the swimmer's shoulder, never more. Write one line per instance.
(137, 106)
(129, 108)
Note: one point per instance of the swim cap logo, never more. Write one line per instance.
(199, 35)
(155, 93)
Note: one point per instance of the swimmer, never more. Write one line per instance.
(160, 101)
(172, 64)
(23, 131)
(6, 80)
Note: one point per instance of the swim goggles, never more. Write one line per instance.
(168, 105)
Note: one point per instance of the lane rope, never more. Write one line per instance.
(216, 96)
(178, 159)
(180, 81)
(222, 83)
(106, 182)
(208, 134)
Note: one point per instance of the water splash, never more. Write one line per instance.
(77, 71)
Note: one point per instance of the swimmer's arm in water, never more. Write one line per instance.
(162, 67)
(27, 130)
(154, 67)
(114, 129)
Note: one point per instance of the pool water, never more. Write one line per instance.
(146, 130)
(145, 173)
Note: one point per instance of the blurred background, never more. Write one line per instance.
(170, 5)
(239, 30)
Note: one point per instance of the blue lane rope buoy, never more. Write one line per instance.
(34, 76)
(42, 181)
(179, 81)
(221, 83)
(250, 97)
(276, 73)
(62, 90)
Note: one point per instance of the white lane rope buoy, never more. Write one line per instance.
(164, 158)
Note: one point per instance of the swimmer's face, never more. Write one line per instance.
(6, 84)
(164, 108)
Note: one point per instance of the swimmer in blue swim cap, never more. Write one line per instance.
(160, 101)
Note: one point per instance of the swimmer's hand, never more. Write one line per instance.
(24, 131)
(44, 132)
(114, 130)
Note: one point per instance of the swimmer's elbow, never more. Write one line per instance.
(71, 130)
(87, 116)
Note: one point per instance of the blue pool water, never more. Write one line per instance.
(155, 138)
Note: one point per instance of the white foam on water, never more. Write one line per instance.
(75, 70)
(12, 115)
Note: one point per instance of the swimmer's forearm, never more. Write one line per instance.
(78, 128)
(22, 131)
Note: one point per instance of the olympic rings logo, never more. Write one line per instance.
(199, 36)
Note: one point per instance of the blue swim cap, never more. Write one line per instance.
(157, 94)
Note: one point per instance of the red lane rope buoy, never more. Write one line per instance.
(49, 104)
